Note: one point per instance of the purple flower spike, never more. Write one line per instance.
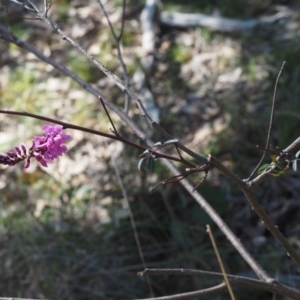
(44, 148)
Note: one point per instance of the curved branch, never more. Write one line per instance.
(190, 295)
(96, 132)
(274, 287)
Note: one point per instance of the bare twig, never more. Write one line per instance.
(274, 287)
(23, 5)
(270, 124)
(132, 221)
(114, 130)
(212, 290)
(9, 298)
(117, 41)
(218, 23)
(92, 131)
(220, 261)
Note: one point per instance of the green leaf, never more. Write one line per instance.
(151, 164)
(263, 168)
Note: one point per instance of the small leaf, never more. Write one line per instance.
(144, 154)
(297, 154)
(295, 165)
(157, 144)
(140, 164)
(263, 168)
(151, 164)
(168, 142)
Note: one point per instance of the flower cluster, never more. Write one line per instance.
(44, 148)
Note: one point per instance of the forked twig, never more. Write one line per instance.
(270, 124)
(274, 287)
(117, 41)
(108, 115)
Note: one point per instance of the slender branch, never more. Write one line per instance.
(270, 124)
(108, 115)
(274, 287)
(107, 72)
(96, 132)
(117, 41)
(23, 5)
(292, 146)
(132, 221)
(8, 36)
(220, 262)
(204, 292)
(9, 298)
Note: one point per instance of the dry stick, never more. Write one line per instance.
(9, 298)
(204, 292)
(132, 221)
(7, 35)
(274, 287)
(270, 124)
(220, 261)
(117, 41)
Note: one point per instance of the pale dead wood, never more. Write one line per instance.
(217, 23)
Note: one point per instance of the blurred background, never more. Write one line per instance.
(65, 230)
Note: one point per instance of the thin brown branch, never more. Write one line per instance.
(117, 41)
(183, 296)
(270, 124)
(274, 287)
(220, 262)
(132, 221)
(108, 115)
(9, 298)
(92, 131)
